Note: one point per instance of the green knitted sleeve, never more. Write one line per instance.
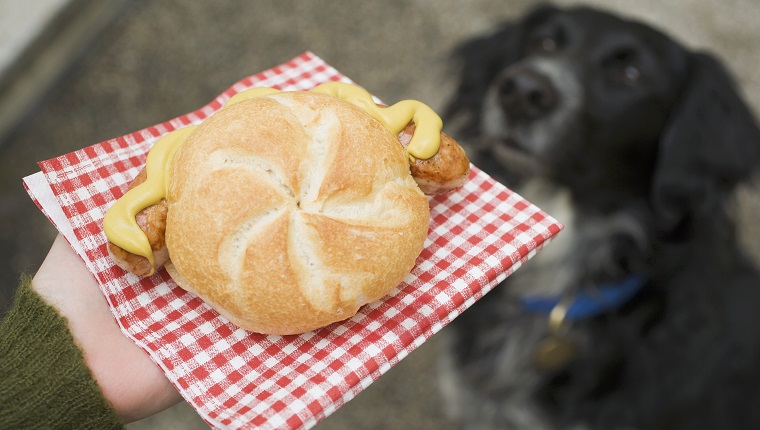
(44, 382)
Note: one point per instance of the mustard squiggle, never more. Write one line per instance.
(119, 223)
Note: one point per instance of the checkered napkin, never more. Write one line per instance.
(235, 379)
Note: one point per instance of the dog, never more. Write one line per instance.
(644, 312)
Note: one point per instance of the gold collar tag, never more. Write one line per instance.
(557, 349)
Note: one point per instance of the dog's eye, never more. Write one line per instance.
(631, 74)
(547, 40)
(623, 67)
(544, 45)
(625, 74)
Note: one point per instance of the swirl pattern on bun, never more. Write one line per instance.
(290, 211)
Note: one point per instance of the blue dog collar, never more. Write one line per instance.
(589, 304)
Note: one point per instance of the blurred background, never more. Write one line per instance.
(77, 72)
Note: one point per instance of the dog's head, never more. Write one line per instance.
(606, 106)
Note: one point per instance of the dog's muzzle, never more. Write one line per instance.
(526, 95)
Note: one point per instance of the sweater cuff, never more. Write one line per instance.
(45, 382)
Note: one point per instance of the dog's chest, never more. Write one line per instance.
(549, 271)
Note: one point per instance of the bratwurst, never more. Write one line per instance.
(446, 171)
(152, 221)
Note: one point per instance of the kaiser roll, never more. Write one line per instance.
(289, 212)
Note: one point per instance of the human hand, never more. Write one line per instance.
(129, 379)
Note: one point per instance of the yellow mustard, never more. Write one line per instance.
(120, 225)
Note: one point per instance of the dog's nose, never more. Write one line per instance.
(526, 95)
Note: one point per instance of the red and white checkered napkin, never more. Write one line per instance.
(235, 379)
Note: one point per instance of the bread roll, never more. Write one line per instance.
(291, 211)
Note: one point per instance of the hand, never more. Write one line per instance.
(130, 380)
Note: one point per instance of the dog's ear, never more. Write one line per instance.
(483, 58)
(711, 143)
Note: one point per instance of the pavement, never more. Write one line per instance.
(153, 61)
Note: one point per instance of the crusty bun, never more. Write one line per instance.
(289, 212)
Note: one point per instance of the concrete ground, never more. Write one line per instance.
(157, 60)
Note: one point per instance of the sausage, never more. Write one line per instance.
(446, 171)
(152, 221)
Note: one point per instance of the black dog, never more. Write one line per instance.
(644, 313)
